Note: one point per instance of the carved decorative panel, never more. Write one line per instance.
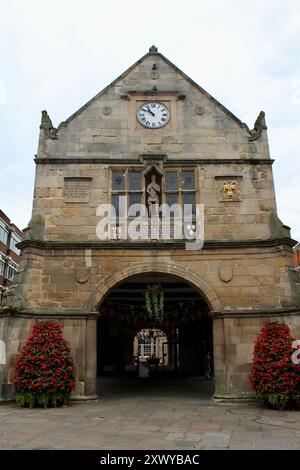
(229, 188)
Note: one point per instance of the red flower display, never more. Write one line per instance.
(44, 371)
(274, 376)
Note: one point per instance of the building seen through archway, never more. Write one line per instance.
(150, 345)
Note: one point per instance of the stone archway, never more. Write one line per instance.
(135, 269)
(158, 268)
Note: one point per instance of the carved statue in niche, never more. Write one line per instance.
(153, 189)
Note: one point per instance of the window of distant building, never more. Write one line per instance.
(147, 347)
(4, 232)
(14, 240)
(2, 264)
(11, 269)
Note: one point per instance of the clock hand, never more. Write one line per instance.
(149, 111)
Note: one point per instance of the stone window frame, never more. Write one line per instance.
(180, 190)
(178, 169)
(127, 191)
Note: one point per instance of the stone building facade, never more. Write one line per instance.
(243, 273)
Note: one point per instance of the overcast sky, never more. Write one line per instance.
(56, 55)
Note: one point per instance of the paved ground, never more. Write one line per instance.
(171, 414)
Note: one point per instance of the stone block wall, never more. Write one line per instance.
(66, 279)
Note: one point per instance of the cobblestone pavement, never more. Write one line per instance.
(173, 414)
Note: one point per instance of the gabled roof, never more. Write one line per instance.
(153, 51)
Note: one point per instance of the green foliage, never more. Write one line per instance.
(278, 401)
(44, 400)
(154, 296)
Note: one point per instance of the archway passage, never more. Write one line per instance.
(141, 306)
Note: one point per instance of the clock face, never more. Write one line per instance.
(153, 115)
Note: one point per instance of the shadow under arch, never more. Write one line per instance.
(108, 283)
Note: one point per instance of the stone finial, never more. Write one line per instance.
(153, 50)
(46, 124)
(259, 125)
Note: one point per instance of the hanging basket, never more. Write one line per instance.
(154, 297)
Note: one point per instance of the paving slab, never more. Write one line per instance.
(126, 417)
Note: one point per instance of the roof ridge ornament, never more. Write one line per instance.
(259, 125)
(153, 50)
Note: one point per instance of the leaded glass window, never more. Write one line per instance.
(135, 181)
(189, 198)
(118, 180)
(171, 181)
(188, 180)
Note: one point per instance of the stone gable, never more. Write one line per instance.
(200, 126)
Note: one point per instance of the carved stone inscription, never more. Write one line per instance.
(77, 189)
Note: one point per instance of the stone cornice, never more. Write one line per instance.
(155, 245)
(255, 313)
(49, 314)
(169, 161)
(92, 315)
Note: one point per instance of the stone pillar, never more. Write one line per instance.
(14, 330)
(91, 357)
(219, 358)
(234, 337)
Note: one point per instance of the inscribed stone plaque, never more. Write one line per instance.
(77, 189)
